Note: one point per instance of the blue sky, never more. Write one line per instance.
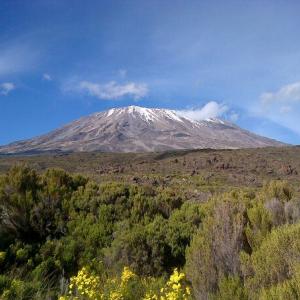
(238, 60)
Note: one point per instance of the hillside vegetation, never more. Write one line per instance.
(178, 225)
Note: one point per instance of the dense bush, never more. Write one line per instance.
(53, 224)
(214, 252)
(246, 247)
(276, 261)
(56, 228)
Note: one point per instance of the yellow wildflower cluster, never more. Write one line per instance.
(2, 257)
(151, 296)
(88, 286)
(117, 288)
(127, 274)
(115, 295)
(175, 288)
(84, 285)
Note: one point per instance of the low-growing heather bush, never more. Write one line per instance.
(66, 236)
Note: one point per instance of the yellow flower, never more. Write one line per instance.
(176, 276)
(90, 287)
(85, 284)
(127, 274)
(2, 257)
(175, 288)
(188, 290)
(115, 295)
(150, 296)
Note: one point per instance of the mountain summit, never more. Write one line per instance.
(139, 129)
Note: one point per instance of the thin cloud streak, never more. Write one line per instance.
(6, 88)
(17, 58)
(111, 90)
(288, 93)
(280, 106)
(47, 77)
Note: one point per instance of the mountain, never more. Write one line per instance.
(139, 129)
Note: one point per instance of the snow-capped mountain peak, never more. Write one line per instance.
(138, 129)
(148, 114)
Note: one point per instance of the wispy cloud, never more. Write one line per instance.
(111, 90)
(6, 88)
(286, 109)
(16, 57)
(287, 94)
(281, 106)
(211, 109)
(47, 77)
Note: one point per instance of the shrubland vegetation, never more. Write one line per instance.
(65, 236)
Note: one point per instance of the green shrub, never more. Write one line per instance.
(4, 283)
(230, 288)
(214, 251)
(19, 290)
(275, 261)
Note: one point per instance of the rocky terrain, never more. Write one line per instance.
(138, 129)
(189, 169)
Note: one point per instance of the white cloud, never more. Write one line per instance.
(211, 109)
(6, 88)
(289, 93)
(47, 77)
(113, 90)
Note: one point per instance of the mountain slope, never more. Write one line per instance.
(138, 129)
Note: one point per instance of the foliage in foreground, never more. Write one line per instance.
(66, 236)
(54, 224)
